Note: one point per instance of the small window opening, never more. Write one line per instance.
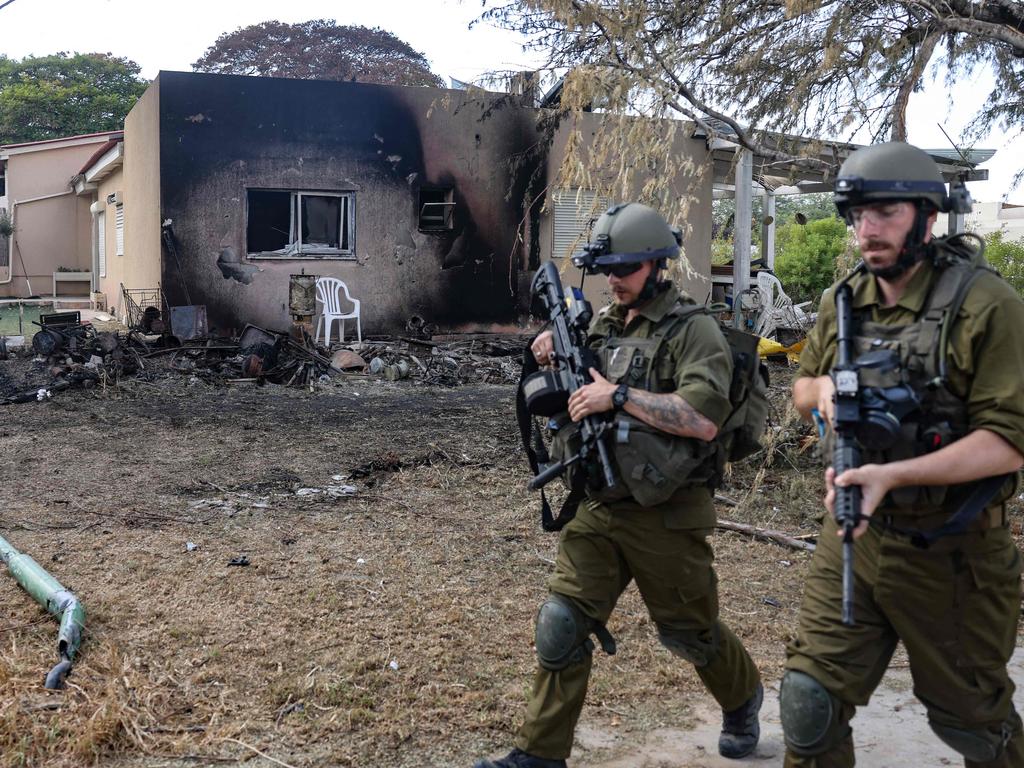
(437, 209)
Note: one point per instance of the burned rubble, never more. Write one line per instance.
(67, 352)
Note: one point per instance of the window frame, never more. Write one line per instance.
(447, 205)
(294, 248)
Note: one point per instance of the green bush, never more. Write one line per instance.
(1007, 256)
(805, 256)
(721, 250)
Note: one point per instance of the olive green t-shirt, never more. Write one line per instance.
(986, 345)
(698, 361)
(696, 358)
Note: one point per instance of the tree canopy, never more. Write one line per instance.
(829, 69)
(47, 97)
(318, 49)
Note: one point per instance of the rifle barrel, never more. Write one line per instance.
(848, 578)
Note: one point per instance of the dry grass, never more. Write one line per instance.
(389, 627)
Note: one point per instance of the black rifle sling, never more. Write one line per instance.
(536, 454)
(960, 521)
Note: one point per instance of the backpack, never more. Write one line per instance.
(740, 435)
(741, 432)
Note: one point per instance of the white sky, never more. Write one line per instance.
(171, 35)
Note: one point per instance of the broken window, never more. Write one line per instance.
(300, 224)
(437, 209)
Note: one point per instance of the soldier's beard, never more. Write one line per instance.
(906, 257)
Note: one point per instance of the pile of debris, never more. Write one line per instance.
(71, 353)
(446, 361)
(75, 354)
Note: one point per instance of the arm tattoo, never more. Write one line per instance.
(670, 413)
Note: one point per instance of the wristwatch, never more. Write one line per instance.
(620, 396)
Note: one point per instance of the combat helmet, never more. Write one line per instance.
(897, 171)
(891, 171)
(627, 235)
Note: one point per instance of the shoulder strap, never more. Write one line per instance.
(537, 453)
(675, 317)
(944, 302)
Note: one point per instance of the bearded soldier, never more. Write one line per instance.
(939, 347)
(666, 371)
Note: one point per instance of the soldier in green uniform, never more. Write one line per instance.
(668, 369)
(946, 585)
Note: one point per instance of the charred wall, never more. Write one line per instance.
(221, 136)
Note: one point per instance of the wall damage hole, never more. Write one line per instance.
(436, 209)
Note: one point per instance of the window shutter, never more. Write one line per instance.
(101, 242)
(119, 228)
(575, 210)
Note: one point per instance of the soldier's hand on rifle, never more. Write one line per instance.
(874, 481)
(592, 398)
(826, 398)
(543, 349)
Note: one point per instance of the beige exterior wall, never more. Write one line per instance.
(694, 280)
(110, 285)
(52, 232)
(140, 187)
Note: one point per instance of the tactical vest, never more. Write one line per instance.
(650, 465)
(922, 350)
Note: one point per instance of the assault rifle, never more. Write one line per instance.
(569, 318)
(846, 453)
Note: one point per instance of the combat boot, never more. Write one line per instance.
(740, 727)
(519, 759)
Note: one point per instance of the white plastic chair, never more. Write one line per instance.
(777, 309)
(328, 293)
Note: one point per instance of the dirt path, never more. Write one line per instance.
(892, 730)
(385, 619)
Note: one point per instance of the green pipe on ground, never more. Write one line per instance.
(59, 602)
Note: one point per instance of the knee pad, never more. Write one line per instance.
(979, 745)
(697, 646)
(562, 634)
(812, 720)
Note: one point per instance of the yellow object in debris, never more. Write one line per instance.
(767, 347)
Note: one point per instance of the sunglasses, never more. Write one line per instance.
(620, 270)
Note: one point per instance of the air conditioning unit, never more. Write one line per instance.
(115, 199)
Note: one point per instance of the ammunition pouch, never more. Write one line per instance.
(650, 465)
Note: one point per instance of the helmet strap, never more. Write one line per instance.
(914, 249)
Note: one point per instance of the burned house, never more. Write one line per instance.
(404, 193)
(233, 193)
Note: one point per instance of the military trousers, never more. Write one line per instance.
(600, 551)
(954, 606)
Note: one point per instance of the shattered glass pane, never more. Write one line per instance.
(321, 220)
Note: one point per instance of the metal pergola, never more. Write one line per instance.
(741, 174)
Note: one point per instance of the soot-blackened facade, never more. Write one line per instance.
(406, 194)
